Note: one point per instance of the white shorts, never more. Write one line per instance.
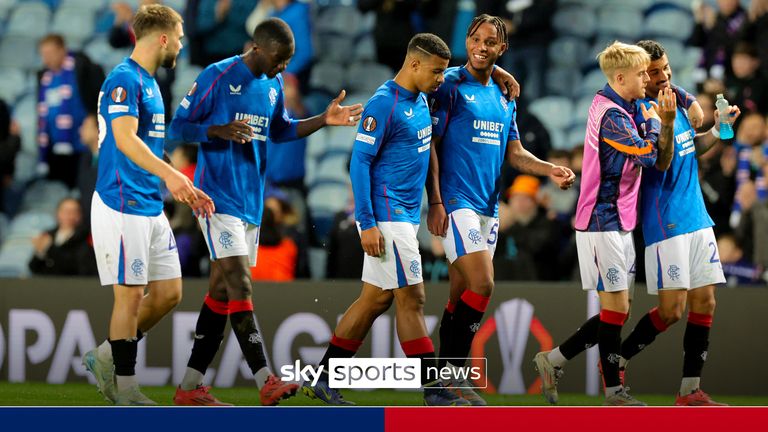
(228, 236)
(400, 266)
(606, 260)
(470, 232)
(131, 249)
(685, 261)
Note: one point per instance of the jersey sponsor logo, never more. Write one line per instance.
(137, 267)
(424, 148)
(369, 124)
(673, 272)
(192, 89)
(118, 95)
(415, 268)
(117, 109)
(409, 113)
(425, 133)
(470, 98)
(612, 275)
(474, 236)
(272, 96)
(185, 103)
(235, 90)
(365, 138)
(226, 239)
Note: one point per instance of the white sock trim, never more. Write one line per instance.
(557, 358)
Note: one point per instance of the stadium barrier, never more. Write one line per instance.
(47, 324)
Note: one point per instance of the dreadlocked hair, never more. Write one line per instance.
(495, 21)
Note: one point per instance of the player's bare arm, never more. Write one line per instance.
(525, 162)
(237, 130)
(703, 147)
(335, 115)
(667, 111)
(128, 142)
(437, 218)
(506, 82)
(696, 115)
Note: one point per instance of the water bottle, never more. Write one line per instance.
(726, 131)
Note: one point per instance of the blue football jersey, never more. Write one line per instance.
(390, 156)
(475, 122)
(671, 202)
(232, 174)
(130, 90)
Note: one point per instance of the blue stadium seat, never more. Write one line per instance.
(6, 6)
(555, 112)
(562, 81)
(14, 258)
(621, 23)
(575, 21)
(367, 77)
(26, 162)
(334, 48)
(575, 135)
(13, 83)
(332, 167)
(99, 50)
(43, 196)
(669, 23)
(342, 139)
(341, 20)
(581, 110)
(75, 24)
(85, 5)
(29, 19)
(25, 113)
(328, 77)
(675, 53)
(568, 51)
(365, 49)
(19, 52)
(592, 82)
(28, 224)
(558, 139)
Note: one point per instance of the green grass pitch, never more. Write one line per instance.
(40, 394)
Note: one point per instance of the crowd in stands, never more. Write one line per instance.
(49, 138)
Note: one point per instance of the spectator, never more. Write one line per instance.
(396, 22)
(746, 87)
(297, 15)
(527, 239)
(189, 239)
(121, 36)
(717, 171)
(530, 31)
(278, 253)
(717, 32)
(749, 137)
(68, 90)
(560, 203)
(10, 144)
(64, 250)
(221, 26)
(88, 168)
(345, 255)
(756, 32)
(738, 269)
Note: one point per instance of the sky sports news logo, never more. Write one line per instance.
(387, 373)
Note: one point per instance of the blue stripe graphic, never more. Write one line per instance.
(401, 280)
(121, 264)
(210, 239)
(460, 251)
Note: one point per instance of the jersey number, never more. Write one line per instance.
(714, 258)
(493, 235)
(101, 122)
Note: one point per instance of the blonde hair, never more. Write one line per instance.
(621, 56)
(155, 17)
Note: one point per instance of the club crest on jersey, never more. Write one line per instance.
(235, 90)
(118, 95)
(369, 124)
(272, 96)
(409, 113)
(192, 89)
(674, 272)
(415, 268)
(226, 239)
(137, 267)
(474, 236)
(612, 275)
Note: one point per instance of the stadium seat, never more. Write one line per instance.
(13, 83)
(327, 196)
(575, 21)
(327, 76)
(675, 53)
(29, 224)
(335, 48)
(365, 49)
(25, 113)
(592, 82)
(6, 6)
(19, 52)
(75, 24)
(575, 135)
(91, 6)
(29, 19)
(620, 23)
(14, 258)
(669, 23)
(342, 139)
(367, 77)
(555, 112)
(340, 20)
(568, 51)
(581, 110)
(43, 196)
(332, 166)
(99, 50)
(562, 81)
(558, 139)
(25, 166)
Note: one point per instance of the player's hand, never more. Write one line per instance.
(696, 115)
(562, 176)
(181, 187)
(203, 205)
(340, 115)
(372, 242)
(733, 111)
(238, 131)
(506, 82)
(437, 220)
(666, 106)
